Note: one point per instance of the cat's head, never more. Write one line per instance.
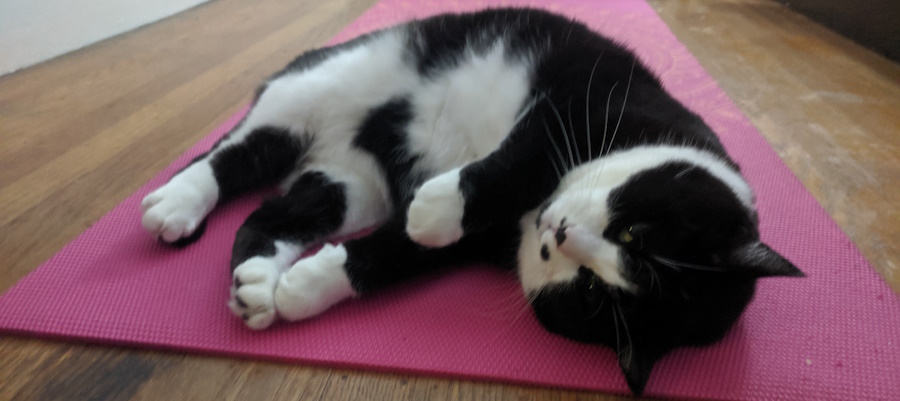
(646, 250)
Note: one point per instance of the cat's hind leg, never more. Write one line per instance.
(383, 258)
(249, 158)
(318, 205)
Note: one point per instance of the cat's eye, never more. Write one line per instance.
(626, 236)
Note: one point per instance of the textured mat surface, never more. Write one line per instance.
(833, 335)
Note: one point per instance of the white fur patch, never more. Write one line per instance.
(615, 169)
(434, 218)
(174, 210)
(314, 284)
(464, 114)
(460, 117)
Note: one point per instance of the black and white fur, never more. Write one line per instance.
(510, 136)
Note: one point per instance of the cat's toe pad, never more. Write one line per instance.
(434, 218)
(313, 284)
(253, 293)
(175, 210)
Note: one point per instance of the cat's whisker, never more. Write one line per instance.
(677, 266)
(572, 130)
(654, 277)
(526, 110)
(515, 306)
(534, 296)
(606, 119)
(526, 307)
(627, 333)
(596, 177)
(529, 300)
(555, 168)
(564, 132)
(599, 308)
(608, 149)
(513, 297)
(624, 102)
(523, 309)
(512, 303)
(684, 172)
(621, 113)
(587, 107)
(522, 313)
(562, 159)
(615, 316)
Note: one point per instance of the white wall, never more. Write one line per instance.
(32, 31)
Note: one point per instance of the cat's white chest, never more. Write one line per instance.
(465, 113)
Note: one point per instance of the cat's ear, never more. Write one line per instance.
(758, 260)
(636, 365)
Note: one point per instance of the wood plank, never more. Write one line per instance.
(80, 133)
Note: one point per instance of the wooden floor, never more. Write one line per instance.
(81, 132)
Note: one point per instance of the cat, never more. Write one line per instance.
(515, 137)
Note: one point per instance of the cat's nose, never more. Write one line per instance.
(582, 246)
(560, 235)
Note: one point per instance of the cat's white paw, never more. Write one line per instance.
(253, 292)
(314, 284)
(176, 209)
(434, 218)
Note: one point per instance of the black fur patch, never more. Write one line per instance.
(387, 256)
(263, 158)
(313, 208)
(383, 134)
(439, 43)
(250, 241)
(560, 235)
(684, 213)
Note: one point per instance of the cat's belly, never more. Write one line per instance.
(464, 114)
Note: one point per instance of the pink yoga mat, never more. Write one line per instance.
(833, 335)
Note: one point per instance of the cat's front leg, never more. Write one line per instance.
(497, 189)
(176, 210)
(434, 217)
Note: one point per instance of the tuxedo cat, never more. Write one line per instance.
(510, 136)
